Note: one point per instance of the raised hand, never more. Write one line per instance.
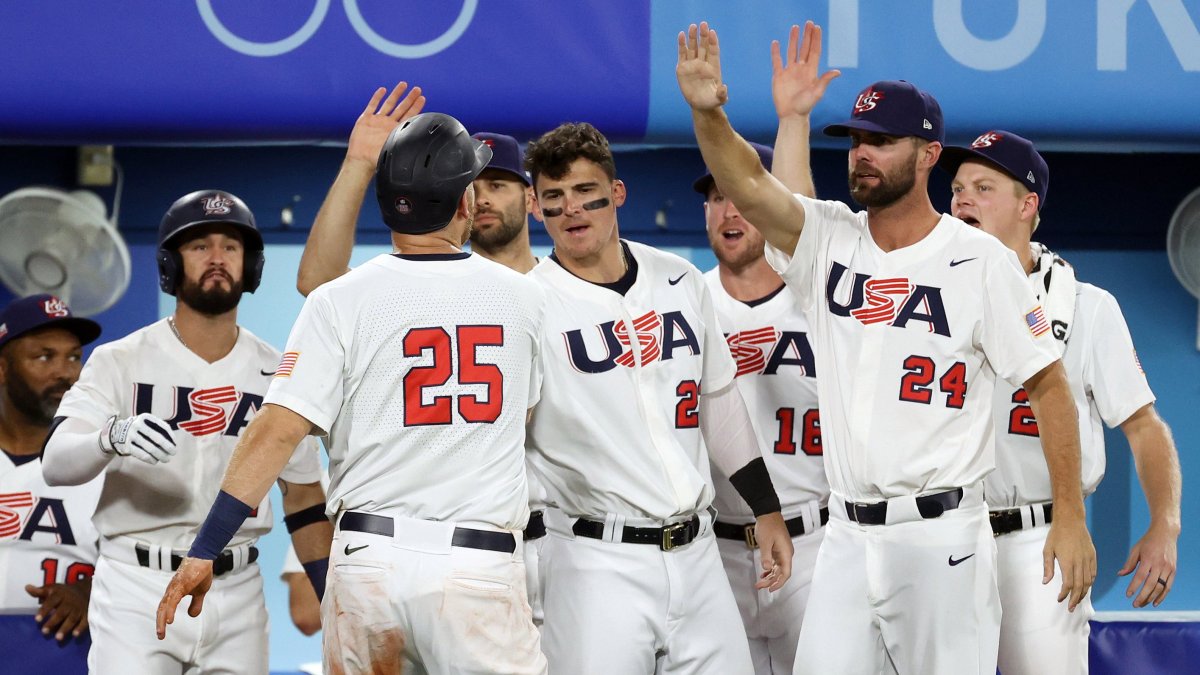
(372, 127)
(796, 85)
(699, 68)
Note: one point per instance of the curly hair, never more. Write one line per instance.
(553, 153)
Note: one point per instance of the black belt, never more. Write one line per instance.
(464, 537)
(745, 533)
(930, 506)
(536, 529)
(223, 563)
(1009, 520)
(666, 537)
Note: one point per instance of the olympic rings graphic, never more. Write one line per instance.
(364, 30)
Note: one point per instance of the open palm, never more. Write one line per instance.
(378, 119)
(699, 68)
(796, 84)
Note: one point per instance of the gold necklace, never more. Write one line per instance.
(175, 330)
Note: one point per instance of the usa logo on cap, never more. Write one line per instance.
(867, 101)
(986, 140)
(55, 308)
(403, 206)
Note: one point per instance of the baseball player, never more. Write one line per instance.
(638, 395)
(776, 372)
(47, 541)
(503, 200)
(1000, 184)
(157, 413)
(914, 314)
(419, 367)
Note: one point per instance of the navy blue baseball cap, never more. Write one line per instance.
(1013, 154)
(895, 108)
(506, 154)
(41, 311)
(704, 183)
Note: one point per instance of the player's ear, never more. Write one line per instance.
(618, 192)
(534, 207)
(466, 203)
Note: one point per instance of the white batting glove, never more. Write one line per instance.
(143, 436)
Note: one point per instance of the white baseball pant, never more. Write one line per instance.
(915, 595)
(1037, 633)
(448, 609)
(228, 638)
(636, 609)
(772, 620)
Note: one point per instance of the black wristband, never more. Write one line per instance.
(304, 517)
(753, 483)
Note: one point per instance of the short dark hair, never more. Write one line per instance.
(553, 153)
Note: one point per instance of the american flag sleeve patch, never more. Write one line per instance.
(287, 364)
(1036, 320)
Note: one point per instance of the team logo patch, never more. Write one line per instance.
(867, 101)
(55, 308)
(1036, 320)
(986, 140)
(287, 364)
(217, 205)
(403, 206)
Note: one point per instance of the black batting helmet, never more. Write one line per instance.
(425, 166)
(207, 207)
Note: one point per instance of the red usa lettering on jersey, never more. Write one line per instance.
(658, 336)
(764, 350)
(22, 516)
(200, 412)
(894, 302)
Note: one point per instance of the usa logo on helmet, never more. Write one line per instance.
(217, 205)
(403, 206)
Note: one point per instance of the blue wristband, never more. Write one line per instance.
(224, 518)
(317, 570)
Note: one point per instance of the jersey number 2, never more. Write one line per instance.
(437, 340)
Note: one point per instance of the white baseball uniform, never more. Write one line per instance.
(148, 513)
(616, 441)
(420, 369)
(46, 537)
(46, 533)
(776, 372)
(1038, 634)
(908, 343)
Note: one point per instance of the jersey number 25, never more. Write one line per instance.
(438, 341)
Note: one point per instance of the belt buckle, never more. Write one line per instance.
(854, 506)
(751, 540)
(668, 542)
